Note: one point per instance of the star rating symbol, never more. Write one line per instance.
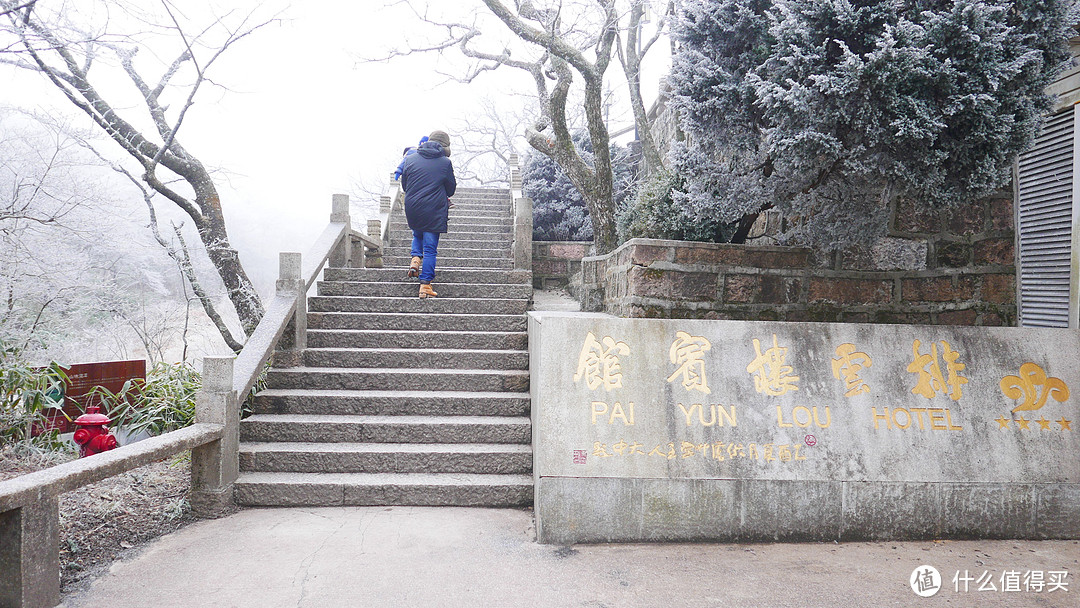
(1025, 424)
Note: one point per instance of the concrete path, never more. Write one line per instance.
(443, 556)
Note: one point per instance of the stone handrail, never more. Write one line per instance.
(387, 204)
(523, 219)
(29, 504)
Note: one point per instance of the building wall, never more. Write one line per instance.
(935, 267)
(555, 262)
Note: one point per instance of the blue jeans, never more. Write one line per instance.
(425, 245)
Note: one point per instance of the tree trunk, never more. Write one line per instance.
(242, 293)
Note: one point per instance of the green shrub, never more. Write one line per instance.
(163, 402)
(653, 213)
(28, 397)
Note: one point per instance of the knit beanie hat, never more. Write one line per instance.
(442, 139)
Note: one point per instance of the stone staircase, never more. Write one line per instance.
(403, 401)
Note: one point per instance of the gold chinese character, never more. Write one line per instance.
(785, 452)
(770, 449)
(1027, 385)
(660, 451)
(773, 377)
(848, 363)
(688, 352)
(718, 451)
(600, 449)
(599, 363)
(931, 379)
(736, 449)
(688, 449)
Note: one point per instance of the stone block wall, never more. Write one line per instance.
(935, 267)
(555, 262)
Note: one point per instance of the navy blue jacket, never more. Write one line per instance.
(428, 181)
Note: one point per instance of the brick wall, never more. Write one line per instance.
(554, 262)
(935, 267)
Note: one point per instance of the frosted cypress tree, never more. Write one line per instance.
(559, 210)
(830, 109)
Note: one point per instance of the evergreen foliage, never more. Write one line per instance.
(653, 213)
(559, 210)
(830, 109)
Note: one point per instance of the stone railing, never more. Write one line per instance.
(523, 219)
(390, 202)
(680, 280)
(29, 504)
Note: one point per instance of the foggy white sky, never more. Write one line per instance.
(302, 119)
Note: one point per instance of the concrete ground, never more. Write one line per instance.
(447, 556)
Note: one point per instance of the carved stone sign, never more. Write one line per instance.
(727, 400)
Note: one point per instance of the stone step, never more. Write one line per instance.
(495, 251)
(462, 210)
(456, 236)
(387, 457)
(401, 379)
(477, 217)
(448, 262)
(384, 338)
(482, 197)
(482, 194)
(358, 489)
(385, 429)
(445, 275)
(478, 239)
(428, 358)
(504, 242)
(459, 227)
(415, 304)
(407, 288)
(417, 322)
(390, 403)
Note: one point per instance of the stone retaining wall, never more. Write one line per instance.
(555, 262)
(934, 268)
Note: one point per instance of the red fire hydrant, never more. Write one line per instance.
(92, 436)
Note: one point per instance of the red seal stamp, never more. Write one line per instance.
(810, 440)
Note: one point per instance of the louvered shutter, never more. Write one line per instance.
(1045, 225)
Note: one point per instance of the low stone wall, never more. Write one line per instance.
(690, 430)
(935, 268)
(555, 262)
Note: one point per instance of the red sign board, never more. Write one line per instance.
(85, 376)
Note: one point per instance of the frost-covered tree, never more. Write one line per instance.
(831, 109)
(565, 47)
(95, 54)
(81, 280)
(560, 213)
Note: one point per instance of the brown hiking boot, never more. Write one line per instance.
(414, 268)
(426, 291)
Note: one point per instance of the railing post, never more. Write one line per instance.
(216, 465)
(291, 282)
(340, 213)
(374, 231)
(523, 227)
(30, 555)
(385, 201)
